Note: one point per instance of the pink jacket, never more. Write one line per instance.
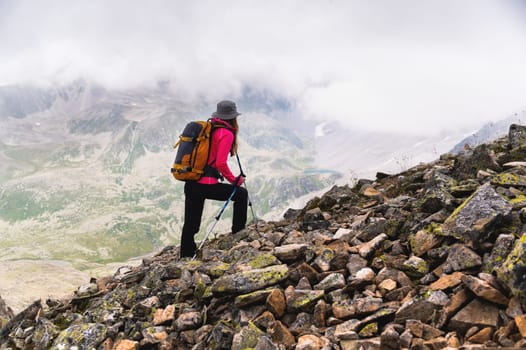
(222, 140)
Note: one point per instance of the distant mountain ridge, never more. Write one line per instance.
(85, 171)
(490, 132)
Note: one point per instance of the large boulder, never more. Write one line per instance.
(473, 220)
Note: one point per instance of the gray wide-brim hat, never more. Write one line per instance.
(226, 110)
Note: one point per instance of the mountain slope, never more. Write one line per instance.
(431, 258)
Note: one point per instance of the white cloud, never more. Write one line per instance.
(385, 65)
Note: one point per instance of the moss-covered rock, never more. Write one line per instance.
(509, 179)
(461, 257)
(513, 269)
(45, 332)
(483, 211)
(247, 337)
(84, 336)
(248, 281)
(501, 249)
(302, 300)
(415, 267)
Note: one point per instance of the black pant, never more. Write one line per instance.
(195, 195)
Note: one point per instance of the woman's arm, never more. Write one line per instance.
(224, 138)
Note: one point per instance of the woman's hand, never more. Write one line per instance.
(239, 181)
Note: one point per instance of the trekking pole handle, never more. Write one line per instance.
(240, 167)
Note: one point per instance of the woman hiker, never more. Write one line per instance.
(223, 143)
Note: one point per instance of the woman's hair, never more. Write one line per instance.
(235, 125)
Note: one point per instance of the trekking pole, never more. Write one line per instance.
(217, 220)
(254, 218)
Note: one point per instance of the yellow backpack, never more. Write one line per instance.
(194, 148)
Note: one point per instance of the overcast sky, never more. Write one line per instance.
(417, 65)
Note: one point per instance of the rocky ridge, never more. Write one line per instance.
(430, 258)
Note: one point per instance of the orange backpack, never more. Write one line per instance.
(194, 148)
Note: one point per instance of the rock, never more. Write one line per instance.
(514, 165)
(265, 343)
(447, 281)
(323, 260)
(369, 344)
(472, 221)
(390, 339)
(423, 241)
(304, 270)
(484, 290)
(264, 320)
(257, 296)
(356, 263)
(163, 316)
(276, 303)
(395, 275)
(437, 298)
(367, 249)
(5, 313)
(290, 252)
(347, 330)
(341, 233)
(517, 135)
(422, 330)
(309, 342)
(482, 158)
(369, 330)
(314, 220)
(406, 338)
(501, 249)
(246, 338)
(435, 344)
(365, 274)
(482, 336)
(301, 300)
(475, 314)
(331, 282)
(513, 271)
(153, 336)
(520, 322)
(249, 281)
(417, 308)
(514, 308)
(45, 332)
(126, 344)
(387, 285)
(508, 179)
(436, 199)
(356, 307)
(280, 334)
(221, 336)
(304, 284)
(85, 336)
(302, 324)
(188, 320)
(320, 313)
(456, 301)
(415, 267)
(461, 258)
